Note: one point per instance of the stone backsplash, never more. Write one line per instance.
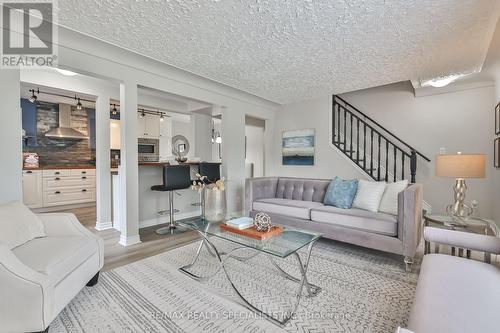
(61, 151)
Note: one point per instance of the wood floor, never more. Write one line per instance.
(116, 255)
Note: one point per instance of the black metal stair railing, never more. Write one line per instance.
(372, 147)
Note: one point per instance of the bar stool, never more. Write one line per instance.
(212, 172)
(175, 177)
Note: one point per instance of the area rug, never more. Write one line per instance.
(362, 291)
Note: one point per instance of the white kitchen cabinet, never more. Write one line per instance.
(68, 186)
(153, 125)
(32, 188)
(114, 132)
(165, 139)
(148, 126)
(141, 126)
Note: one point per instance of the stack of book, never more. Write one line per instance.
(240, 223)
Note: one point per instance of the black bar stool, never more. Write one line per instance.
(212, 171)
(175, 177)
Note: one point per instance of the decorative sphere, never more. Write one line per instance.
(262, 222)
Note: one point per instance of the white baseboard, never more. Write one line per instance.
(99, 226)
(129, 240)
(166, 219)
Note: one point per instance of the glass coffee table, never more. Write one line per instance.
(281, 246)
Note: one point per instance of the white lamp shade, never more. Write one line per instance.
(461, 166)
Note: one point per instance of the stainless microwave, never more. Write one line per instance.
(148, 150)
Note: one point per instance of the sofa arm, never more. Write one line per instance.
(259, 188)
(26, 301)
(67, 224)
(63, 224)
(466, 240)
(410, 218)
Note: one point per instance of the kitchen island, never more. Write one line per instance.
(153, 202)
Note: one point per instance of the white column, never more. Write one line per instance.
(10, 137)
(129, 170)
(233, 158)
(103, 164)
(202, 134)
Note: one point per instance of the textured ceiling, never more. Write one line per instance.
(286, 51)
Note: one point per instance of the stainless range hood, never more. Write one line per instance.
(64, 130)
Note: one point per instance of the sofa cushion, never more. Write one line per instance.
(389, 202)
(369, 195)
(360, 219)
(302, 189)
(294, 208)
(56, 256)
(341, 193)
(455, 295)
(18, 224)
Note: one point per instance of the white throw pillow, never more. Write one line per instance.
(389, 203)
(369, 195)
(18, 224)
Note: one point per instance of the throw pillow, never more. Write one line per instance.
(369, 195)
(18, 224)
(389, 202)
(341, 193)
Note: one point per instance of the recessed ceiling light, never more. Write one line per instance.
(66, 72)
(441, 81)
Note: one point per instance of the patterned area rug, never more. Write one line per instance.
(362, 291)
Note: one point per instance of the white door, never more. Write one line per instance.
(32, 188)
(152, 125)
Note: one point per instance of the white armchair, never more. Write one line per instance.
(40, 277)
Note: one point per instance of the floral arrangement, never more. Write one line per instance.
(204, 183)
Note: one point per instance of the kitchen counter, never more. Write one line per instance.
(57, 167)
(162, 164)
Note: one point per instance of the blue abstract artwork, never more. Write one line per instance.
(298, 147)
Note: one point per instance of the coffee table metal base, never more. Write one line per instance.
(221, 257)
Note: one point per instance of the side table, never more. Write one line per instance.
(472, 224)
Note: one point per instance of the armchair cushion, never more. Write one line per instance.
(18, 224)
(455, 295)
(56, 257)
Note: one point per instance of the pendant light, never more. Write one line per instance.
(114, 111)
(79, 103)
(162, 118)
(33, 98)
(143, 114)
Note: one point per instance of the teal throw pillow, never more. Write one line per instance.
(341, 193)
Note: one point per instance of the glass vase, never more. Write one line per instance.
(215, 205)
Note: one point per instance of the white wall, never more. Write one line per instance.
(458, 121)
(309, 114)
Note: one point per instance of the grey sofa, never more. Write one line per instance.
(298, 203)
(457, 294)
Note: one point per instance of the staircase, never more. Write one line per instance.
(373, 148)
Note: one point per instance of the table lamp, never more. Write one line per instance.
(460, 166)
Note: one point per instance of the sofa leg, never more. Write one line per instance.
(44, 331)
(93, 281)
(408, 263)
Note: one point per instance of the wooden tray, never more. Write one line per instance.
(253, 233)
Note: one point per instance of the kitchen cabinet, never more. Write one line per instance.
(114, 132)
(32, 188)
(148, 126)
(68, 186)
(165, 139)
(58, 187)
